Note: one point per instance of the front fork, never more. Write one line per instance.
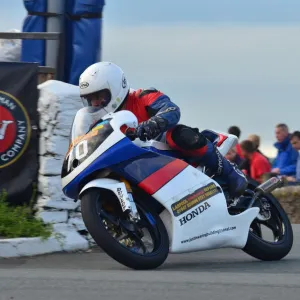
(132, 210)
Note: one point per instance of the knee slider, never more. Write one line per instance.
(188, 138)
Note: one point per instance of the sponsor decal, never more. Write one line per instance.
(124, 82)
(194, 199)
(84, 85)
(100, 126)
(121, 197)
(196, 212)
(208, 234)
(15, 129)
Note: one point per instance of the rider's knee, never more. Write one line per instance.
(186, 138)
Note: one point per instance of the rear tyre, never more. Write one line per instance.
(281, 228)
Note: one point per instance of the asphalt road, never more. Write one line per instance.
(222, 274)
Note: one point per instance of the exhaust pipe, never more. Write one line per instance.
(269, 185)
(266, 187)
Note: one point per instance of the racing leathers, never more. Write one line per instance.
(157, 114)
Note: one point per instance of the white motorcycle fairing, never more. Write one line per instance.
(196, 215)
(198, 219)
(205, 225)
(117, 187)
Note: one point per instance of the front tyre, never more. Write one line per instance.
(118, 237)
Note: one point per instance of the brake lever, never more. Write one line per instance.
(131, 133)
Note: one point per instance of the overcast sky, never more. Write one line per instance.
(225, 62)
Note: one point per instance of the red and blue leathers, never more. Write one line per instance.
(157, 114)
(148, 103)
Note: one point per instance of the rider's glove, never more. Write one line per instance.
(151, 128)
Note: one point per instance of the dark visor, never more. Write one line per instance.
(104, 96)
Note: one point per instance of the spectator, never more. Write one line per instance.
(237, 132)
(286, 159)
(255, 139)
(245, 164)
(295, 141)
(259, 165)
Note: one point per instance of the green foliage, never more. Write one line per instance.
(19, 221)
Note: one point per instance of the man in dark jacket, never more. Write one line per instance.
(286, 159)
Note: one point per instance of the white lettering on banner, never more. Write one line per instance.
(18, 143)
(21, 129)
(4, 157)
(6, 102)
(199, 210)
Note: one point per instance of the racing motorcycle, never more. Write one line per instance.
(141, 201)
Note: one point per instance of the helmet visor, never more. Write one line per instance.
(98, 100)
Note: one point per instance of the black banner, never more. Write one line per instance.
(19, 127)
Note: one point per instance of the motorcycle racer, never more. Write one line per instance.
(103, 86)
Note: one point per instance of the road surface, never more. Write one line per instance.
(222, 274)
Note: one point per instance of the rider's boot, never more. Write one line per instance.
(195, 145)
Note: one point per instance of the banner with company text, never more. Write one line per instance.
(19, 131)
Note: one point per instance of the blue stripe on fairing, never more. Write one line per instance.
(172, 153)
(121, 151)
(137, 169)
(126, 159)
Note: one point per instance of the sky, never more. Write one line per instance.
(224, 62)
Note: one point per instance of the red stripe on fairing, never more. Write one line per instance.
(159, 178)
(222, 139)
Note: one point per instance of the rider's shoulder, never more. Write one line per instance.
(143, 91)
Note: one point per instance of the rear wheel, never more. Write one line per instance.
(141, 245)
(271, 234)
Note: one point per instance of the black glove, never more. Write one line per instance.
(150, 129)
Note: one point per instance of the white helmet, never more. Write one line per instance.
(104, 77)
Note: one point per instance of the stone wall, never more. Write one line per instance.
(58, 104)
(289, 197)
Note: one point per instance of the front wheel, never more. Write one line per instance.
(274, 218)
(144, 245)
